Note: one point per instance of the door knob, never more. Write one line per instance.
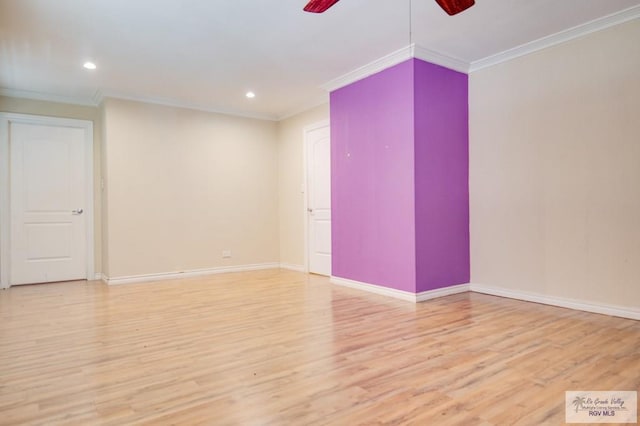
(310, 210)
(76, 212)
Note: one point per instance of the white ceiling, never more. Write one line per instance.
(207, 53)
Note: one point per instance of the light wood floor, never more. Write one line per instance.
(285, 348)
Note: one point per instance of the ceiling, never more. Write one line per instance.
(207, 54)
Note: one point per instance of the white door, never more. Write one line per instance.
(319, 199)
(47, 203)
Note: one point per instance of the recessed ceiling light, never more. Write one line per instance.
(250, 95)
(90, 65)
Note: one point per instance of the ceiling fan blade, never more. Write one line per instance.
(455, 6)
(319, 6)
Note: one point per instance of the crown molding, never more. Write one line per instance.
(48, 97)
(98, 97)
(371, 68)
(557, 38)
(438, 58)
(186, 105)
(315, 102)
(460, 65)
(394, 58)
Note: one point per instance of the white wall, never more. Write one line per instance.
(555, 171)
(290, 181)
(183, 185)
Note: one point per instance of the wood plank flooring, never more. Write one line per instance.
(285, 348)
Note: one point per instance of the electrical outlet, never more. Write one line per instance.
(226, 254)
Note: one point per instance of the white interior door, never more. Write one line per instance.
(319, 199)
(47, 203)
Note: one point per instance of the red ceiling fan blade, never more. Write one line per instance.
(455, 6)
(319, 6)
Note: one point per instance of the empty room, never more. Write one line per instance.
(294, 212)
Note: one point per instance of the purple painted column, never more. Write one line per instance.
(399, 158)
(372, 192)
(441, 176)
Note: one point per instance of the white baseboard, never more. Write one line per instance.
(372, 288)
(96, 277)
(401, 294)
(441, 292)
(187, 274)
(580, 305)
(292, 267)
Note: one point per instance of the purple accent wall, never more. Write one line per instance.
(372, 192)
(441, 176)
(399, 159)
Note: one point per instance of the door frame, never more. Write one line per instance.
(5, 197)
(305, 134)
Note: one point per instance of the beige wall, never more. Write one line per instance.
(79, 112)
(555, 170)
(554, 177)
(290, 182)
(183, 185)
(105, 197)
